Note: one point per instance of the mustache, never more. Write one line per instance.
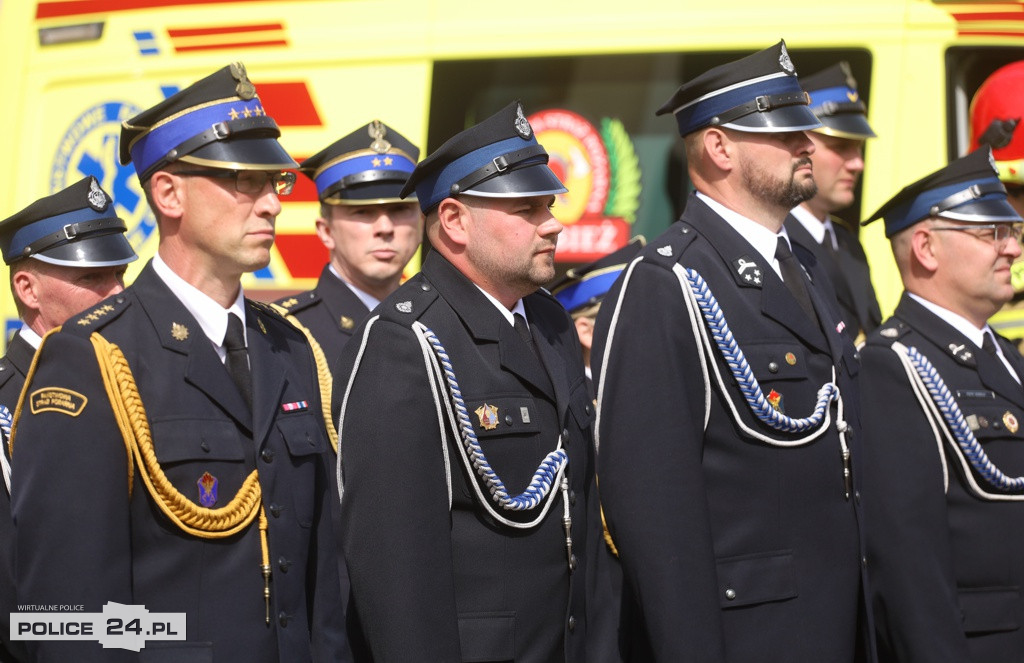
(801, 162)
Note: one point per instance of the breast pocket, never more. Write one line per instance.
(306, 443)
(988, 416)
(203, 458)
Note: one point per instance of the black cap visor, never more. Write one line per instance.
(533, 180)
(242, 153)
(101, 250)
(846, 125)
(778, 120)
(993, 210)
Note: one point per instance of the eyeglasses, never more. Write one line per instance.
(996, 233)
(251, 182)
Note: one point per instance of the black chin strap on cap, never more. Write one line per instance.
(71, 232)
(972, 192)
(761, 104)
(500, 164)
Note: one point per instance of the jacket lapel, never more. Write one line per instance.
(339, 298)
(180, 333)
(268, 373)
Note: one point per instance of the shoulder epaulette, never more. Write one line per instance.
(408, 302)
(667, 249)
(891, 331)
(95, 318)
(299, 301)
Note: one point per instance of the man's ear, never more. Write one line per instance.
(454, 218)
(25, 285)
(167, 191)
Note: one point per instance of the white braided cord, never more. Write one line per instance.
(958, 432)
(6, 419)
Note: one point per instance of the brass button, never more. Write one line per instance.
(773, 367)
(730, 594)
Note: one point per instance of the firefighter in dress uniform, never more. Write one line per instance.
(170, 442)
(838, 162)
(945, 497)
(370, 232)
(728, 429)
(465, 452)
(66, 251)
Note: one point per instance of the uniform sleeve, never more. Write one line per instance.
(910, 565)
(650, 437)
(70, 495)
(395, 512)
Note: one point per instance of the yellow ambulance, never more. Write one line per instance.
(590, 74)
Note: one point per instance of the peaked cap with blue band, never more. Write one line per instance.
(966, 190)
(218, 122)
(758, 93)
(75, 227)
(587, 285)
(497, 158)
(836, 102)
(368, 166)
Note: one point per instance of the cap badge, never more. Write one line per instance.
(98, 200)
(244, 88)
(404, 307)
(377, 132)
(522, 125)
(179, 331)
(207, 490)
(1010, 422)
(785, 62)
(488, 415)
(347, 322)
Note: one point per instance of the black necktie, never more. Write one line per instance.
(828, 242)
(793, 277)
(988, 344)
(524, 331)
(238, 359)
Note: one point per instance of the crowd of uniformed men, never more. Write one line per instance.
(387, 471)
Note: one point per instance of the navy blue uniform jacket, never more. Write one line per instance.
(81, 540)
(330, 312)
(734, 550)
(946, 564)
(437, 584)
(13, 369)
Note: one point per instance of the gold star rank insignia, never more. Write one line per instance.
(179, 331)
(290, 302)
(233, 114)
(388, 161)
(376, 162)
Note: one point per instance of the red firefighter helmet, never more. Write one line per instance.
(997, 108)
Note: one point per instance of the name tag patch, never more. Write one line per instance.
(57, 399)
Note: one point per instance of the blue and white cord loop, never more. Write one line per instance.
(5, 436)
(924, 378)
(453, 416)
(701, 303)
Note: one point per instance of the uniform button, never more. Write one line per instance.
(572, 623)
(573, 561)
(864, 562)
(425, 287)
(283, 564)
(572, 498)
(588, 409)
(508, 419)
(204, 446)
(730, 594)
(565, 433)
(267, 455)
(282, 619)
(773, 367)
(856, 355)
(856, 496)
(275, 510)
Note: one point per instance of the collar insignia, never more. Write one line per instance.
(179, 331)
